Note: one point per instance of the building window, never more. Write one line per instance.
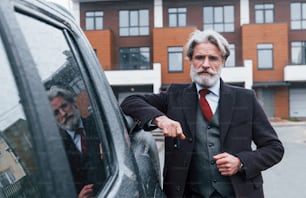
(298, 16)
(177, 17)
(135, 58)
(94, 20)
(6, 178)
(134, 22)
(219, 18)
(175, 59)
(264, 13)
(264, 56)
(231, 60)
(298, 52)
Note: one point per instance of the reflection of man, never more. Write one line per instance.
(209, 127)
(80, 141)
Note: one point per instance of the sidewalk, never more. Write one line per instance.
(286, 178)
(283, 122)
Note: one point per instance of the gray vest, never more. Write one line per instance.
(204, 177)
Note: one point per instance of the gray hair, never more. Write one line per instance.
(56, 91)
(210, 36)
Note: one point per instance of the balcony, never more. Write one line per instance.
(295, 73)
(136, 77)
(239, 74)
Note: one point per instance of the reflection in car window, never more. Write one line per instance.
(69, 101)
(18, 169)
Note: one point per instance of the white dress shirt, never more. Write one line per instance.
(213, 96)
(76, 138)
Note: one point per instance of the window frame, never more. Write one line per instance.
(140, 51)
(177, 13)
(300, 46)
(8, 175)
(226, 23)
(177, 51)
(94, 19)
(232, 57)
(26, 78)
(134, 26)
(267, 49)
(298, 22)
(264, 10)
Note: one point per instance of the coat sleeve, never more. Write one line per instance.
(143, 108)
(269, 149)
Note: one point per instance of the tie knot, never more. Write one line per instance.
(79, 131)
(203, 92)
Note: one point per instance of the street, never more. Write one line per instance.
(286, 179)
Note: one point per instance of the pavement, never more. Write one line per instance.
(286, 179)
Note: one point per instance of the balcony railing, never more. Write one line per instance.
(25, 187)
(294, 73)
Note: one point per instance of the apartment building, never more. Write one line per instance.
(140, 44)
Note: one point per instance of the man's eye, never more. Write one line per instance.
(64, 106)
(199, 57)
(213, 58)
(56, 112)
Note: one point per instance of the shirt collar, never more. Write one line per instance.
(215, 89)
(71, 133)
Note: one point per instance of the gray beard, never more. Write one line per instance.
(205, 81)
(74, 124)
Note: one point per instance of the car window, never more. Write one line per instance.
(54, 56)
(18, 168)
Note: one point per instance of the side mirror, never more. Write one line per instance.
(131, 124)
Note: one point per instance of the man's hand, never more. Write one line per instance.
(227, 164)
(170, 127)
(87, 191)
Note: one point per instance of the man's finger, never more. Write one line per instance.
(219, 156)
(181, 136)
(180, 133)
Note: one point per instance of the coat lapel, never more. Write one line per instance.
(189, 103)
(227, 100)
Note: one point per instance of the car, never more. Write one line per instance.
(41, 46)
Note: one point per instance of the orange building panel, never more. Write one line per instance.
(170, 37)
(281, 102)
(102, 42)
(276, 34)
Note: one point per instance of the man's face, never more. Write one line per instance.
(206, 64)
(66, 114)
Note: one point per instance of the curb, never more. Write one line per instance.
(288, 123)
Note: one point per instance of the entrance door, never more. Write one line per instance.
(266, 99)
(297, 105)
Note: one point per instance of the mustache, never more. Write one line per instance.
(67, 117)
(204, 70)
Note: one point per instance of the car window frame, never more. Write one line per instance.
(105, 103)
(110, 112)
(51, 168)
(124, 167)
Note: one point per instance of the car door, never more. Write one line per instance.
(28, 164)
(42, 48)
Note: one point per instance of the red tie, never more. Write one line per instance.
(205, 108)
(83, 140)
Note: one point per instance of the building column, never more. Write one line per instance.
(244, 12)
(158, 13)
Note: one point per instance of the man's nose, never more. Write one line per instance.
(205, 62)
(61, 112)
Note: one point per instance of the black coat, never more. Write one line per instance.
(242, 121)
(88, 168)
